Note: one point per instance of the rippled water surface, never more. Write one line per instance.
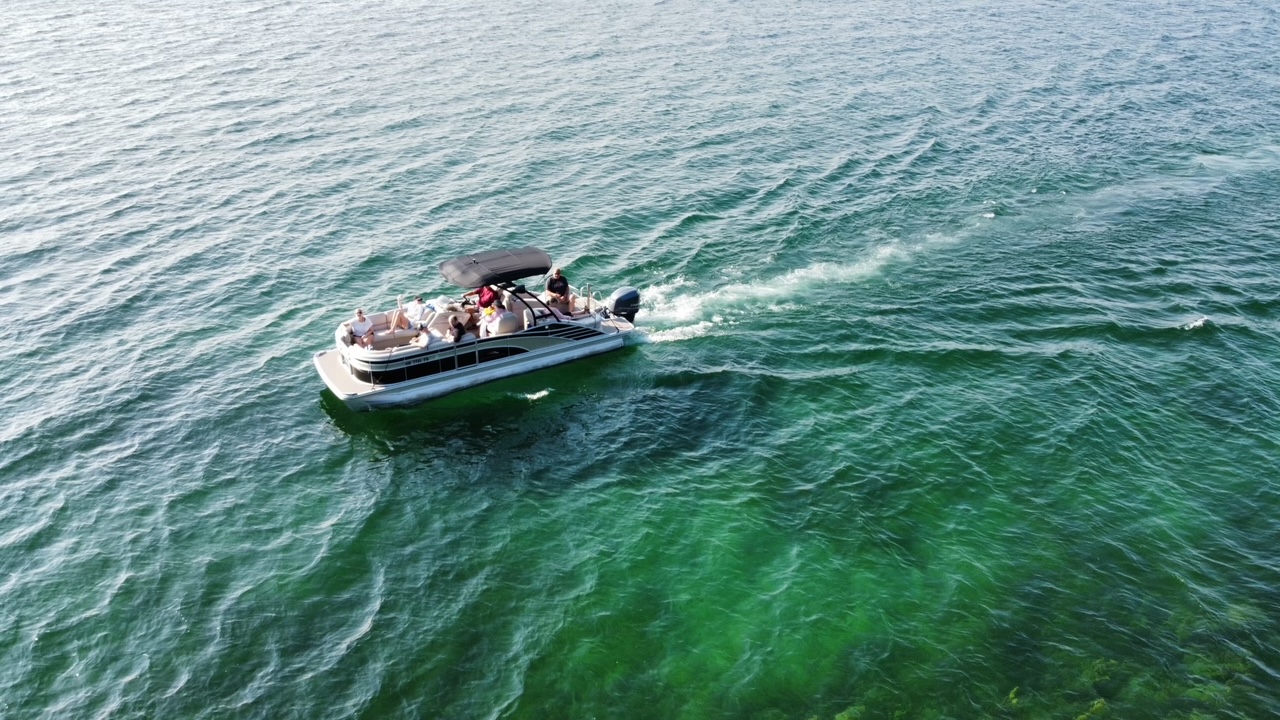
(956, 396)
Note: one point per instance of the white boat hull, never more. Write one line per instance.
(333, 369)
(405, 356)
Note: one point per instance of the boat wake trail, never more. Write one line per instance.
(684, 332)
(679, 311)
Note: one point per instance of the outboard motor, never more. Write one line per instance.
(625, 303)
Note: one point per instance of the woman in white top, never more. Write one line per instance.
(412, 316)
(362, 329)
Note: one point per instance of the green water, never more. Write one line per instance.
(955, 395)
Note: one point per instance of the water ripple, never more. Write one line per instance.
(957, 361)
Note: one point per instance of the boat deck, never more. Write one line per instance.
(409, 365)
(339, 379)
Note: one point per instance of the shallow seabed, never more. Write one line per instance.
(957, 395)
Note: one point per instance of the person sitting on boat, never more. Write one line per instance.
(456, 328)
(558, 290)
(491, 319)
(362, 329)
(406, 318)
(417, 313)
(485, 298)
(487, 318)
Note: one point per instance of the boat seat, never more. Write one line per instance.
(507, 323)
(412, 346)
(439, 337)
(383, 339)
(383, 336)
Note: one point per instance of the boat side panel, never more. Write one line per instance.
(445, 383)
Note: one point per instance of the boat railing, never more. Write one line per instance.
(537, 314)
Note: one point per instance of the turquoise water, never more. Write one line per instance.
(956, 395)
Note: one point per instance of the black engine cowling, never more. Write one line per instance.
(625, 303)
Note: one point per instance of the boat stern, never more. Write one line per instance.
(332, 368)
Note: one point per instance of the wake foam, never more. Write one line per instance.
(1197, 323)
(685, 332)
(696, 314)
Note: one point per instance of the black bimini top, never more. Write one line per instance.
(495, 267)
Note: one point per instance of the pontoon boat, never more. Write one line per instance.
(408, 365)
